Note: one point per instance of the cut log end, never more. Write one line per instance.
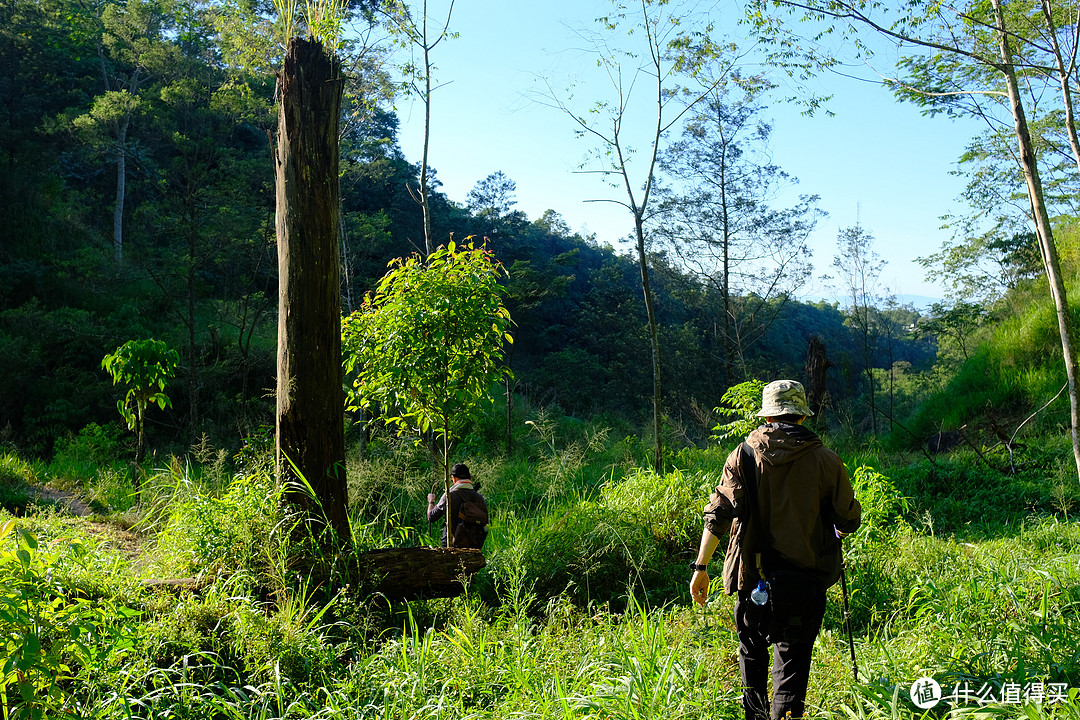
(409, 573)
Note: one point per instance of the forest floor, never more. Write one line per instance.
(68, 501)
(125, 540)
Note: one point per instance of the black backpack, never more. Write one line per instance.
(470, 529)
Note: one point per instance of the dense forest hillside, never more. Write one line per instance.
(161, 120)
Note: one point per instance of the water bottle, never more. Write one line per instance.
(760, 594)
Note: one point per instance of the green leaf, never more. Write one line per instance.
(30, 651)
(27, 538)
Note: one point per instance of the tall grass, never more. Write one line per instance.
(960, 574)
(1015, 371)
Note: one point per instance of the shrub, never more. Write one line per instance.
(604, 550)
(94, 445)
(15, 476)
(14, 471)
(667, 507)
(880, 500)
(960, 496)
(49, 630)
(112, 489)
(234, 533)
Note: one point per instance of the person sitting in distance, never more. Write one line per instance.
(468, 510)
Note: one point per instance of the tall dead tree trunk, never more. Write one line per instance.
(310, 406)
(1044, 232)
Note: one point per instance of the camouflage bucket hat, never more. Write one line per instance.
(783, 397)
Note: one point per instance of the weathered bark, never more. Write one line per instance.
(1044, 232)
(176, 586)
(310, 406)
(817, 365)
(405, 573)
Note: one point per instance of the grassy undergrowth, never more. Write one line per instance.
(960, 573)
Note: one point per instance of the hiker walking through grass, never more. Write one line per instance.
(468, 510)
(786, 501)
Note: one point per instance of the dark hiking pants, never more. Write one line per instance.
(791, 660)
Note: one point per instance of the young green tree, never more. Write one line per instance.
(145, 367)
(426, 347)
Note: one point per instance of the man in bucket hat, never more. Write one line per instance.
(786, 501)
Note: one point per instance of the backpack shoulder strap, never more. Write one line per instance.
(751, 480)
(750, 476)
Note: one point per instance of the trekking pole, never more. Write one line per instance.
(847, 615)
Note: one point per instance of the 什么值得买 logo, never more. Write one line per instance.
(926, 693)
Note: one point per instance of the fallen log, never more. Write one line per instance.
(175, 585)
(408, 573)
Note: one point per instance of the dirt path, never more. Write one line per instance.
(126, 541)
(69, 501)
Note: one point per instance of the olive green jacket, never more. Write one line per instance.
(804, 494)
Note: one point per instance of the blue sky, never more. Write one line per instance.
(875, 161)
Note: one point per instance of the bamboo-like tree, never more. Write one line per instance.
(978, 59)
(658, 46)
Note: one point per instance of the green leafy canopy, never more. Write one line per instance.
(145, 366)
(427, 345)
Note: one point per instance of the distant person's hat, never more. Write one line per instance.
(783, 397)
(461, 471)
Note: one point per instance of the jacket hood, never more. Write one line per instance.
(782, 443)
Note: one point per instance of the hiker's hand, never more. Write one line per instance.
(431, 497)
(699, 586)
